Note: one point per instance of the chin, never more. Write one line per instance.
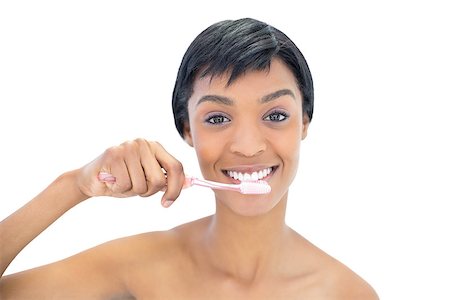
(248, 205)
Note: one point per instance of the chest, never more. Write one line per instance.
(188, 286)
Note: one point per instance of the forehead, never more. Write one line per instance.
(253, 84)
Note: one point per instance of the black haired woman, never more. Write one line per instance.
(243, 99)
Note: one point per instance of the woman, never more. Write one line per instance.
(244, 100)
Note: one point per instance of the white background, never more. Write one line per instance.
(79, 76)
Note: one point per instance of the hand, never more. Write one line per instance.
(140, 167)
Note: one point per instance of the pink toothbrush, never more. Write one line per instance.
(245, 187)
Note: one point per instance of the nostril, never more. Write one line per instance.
(248, 148)
(248, 152)
(248, 141)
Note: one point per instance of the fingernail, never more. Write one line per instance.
(167, 203)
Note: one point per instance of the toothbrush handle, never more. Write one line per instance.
(188, 182)
(211, 184)
(109, 178)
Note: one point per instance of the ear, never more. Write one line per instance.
(305, 126)
(187, 134)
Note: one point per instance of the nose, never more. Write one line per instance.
(248, 141)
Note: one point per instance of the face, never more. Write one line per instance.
(250, 129)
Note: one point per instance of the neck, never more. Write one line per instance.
(247, 247)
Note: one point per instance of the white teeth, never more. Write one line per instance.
(247, 176)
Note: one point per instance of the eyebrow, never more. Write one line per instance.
(216, 99)
(277, 94)
(227, 101)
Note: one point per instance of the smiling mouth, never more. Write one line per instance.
(250, 176)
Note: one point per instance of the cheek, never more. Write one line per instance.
(287, 141)
(208, 148)
(286, 144)
(289, 150)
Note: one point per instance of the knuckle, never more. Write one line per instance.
(175, 167)
(140, 189)
(159, 182)
(112, 154)
(155, 184)
(148, 193)
(140, 141)
(125, 145)
(155, 145)
(130, 147)
(112, 151)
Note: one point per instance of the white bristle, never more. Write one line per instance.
(255, 187)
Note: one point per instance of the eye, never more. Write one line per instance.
(217, 119)
(276, 116)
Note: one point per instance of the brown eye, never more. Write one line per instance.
(276, 117)
(217, 119)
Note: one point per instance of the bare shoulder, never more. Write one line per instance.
(159, 262)
(118, 268)
(329, 278)
(158, 244)
(152, 250)
(346, 284)
(146, 251)
(99, 272)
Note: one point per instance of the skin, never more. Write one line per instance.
(244, 251)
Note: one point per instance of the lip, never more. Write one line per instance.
(248, 169)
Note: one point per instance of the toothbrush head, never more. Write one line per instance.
(254, 187)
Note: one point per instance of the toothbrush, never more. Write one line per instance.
(245, 187)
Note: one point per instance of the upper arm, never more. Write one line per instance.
(95, 273)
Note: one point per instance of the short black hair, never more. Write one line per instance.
(237, 46)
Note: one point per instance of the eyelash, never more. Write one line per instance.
(220, 119)
(215, 117)
(278, 113)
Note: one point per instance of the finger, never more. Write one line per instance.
(154, 175)
(123, 183)
(136, 172)
(174, 172)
